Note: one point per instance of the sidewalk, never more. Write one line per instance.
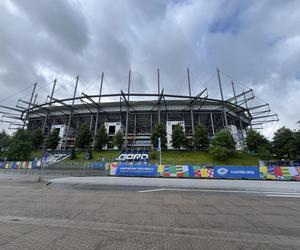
(249, 185)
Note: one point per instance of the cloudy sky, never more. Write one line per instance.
(255, 43)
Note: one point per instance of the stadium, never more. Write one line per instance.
(136, 114)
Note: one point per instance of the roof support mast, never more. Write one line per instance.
(29, 104)
(222, 97)
(241, 124)
(246, 103)
(71, 113)
(47, 116)
(97, 115)
(192, 114)
(127, 112)
(158, 92)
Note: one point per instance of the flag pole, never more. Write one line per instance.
(159, 147)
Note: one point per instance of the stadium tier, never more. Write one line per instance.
(136, 114)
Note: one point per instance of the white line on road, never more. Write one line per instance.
(196, 190)
(279, 194)
(152, 190)
(283, 195)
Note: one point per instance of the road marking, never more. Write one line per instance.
(274, 193)
(283, 195)
(197, 190)
(152, 190)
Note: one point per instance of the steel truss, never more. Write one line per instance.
(237, 110)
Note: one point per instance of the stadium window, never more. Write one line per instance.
(111, 130)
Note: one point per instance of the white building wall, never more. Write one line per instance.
(117, 125)
(237, 136)
(62, 132)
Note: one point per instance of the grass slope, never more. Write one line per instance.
(97, 156)
(173, 157)
(190, 157)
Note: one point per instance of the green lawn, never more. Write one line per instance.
(172, 157)
(36, 154)
(97, 156)
(189, 157)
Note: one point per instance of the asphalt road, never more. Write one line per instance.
(87, 216)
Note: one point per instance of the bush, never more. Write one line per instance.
(222, 145)
(219, 152)
(224, 139)
(154, 155)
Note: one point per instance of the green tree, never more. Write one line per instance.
(296, 145)
(178, 137)
(118, 140)
(84, 137)
(4, 141)
(73, 154)
(263, 151)
(53, 139)
(222, 145)
(159, 131)
(20, 147)
(37, 138)
(101, 138)
(283, 141)
(201, 137)
(255, 140)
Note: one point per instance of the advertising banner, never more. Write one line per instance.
(283, 173)
(214, 172)
(236, 172)
(136, 170)
(98, 165)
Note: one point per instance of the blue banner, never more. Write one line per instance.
(297, 163)
(236, 172)
(136, 170)
(98, 165)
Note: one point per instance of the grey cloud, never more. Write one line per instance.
(255, 42)
(60, 19)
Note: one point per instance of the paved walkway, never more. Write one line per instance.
(249, 185)
(38, 216)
